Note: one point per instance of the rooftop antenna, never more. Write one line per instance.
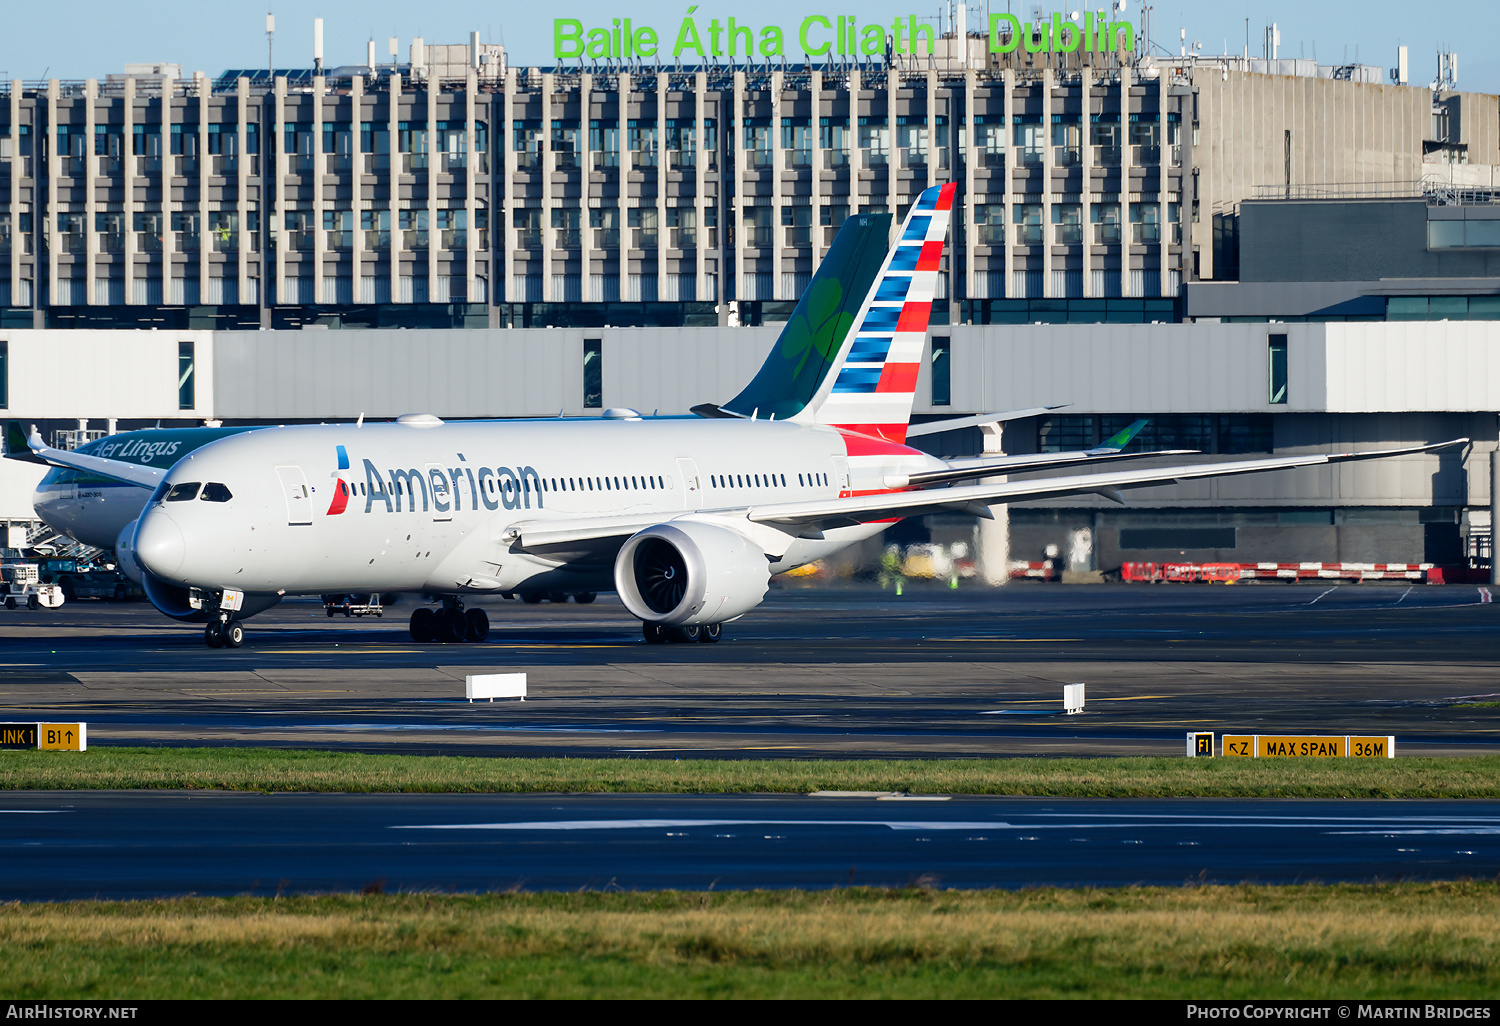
(317, 46)
(271, 42)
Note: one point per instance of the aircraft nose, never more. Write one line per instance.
(158, 544)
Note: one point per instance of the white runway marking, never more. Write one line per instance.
(659, 824)
(1405, 593)
(1330, 591)
(1112, 822)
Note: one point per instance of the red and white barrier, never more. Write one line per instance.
(1155, 573)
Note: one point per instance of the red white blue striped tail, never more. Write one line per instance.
(871, 385)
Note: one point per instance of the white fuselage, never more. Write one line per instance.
(430, 508)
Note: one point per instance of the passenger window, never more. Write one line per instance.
(184, 491)
(215, 492)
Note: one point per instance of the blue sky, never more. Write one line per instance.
(211, 36)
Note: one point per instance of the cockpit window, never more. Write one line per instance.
(183, 491)
(215, 492)
(160, 493)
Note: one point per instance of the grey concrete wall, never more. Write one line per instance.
(1349, 241)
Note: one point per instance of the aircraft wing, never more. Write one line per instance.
(599, 537)
(116, 470)
(977, 499)
(967, 469)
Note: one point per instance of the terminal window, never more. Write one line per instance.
(593, 374)
(185, 376)
(1276, 366)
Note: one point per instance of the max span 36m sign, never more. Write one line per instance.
(825, 35)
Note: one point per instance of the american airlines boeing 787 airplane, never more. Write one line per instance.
(685, 517)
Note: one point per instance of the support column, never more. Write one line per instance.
(815, 139)
(1047, 163)
(357, 201)
(700, 186)
(966, 125)
(1494, 513)
(275, 147)
(1007, 113)
(393, 179)
(505, 172)
(622, 173)
(994, 535)
(734, 124)
(548, 160)
(320, 237)
(586, 200)
(434, 237)
(778, 239)
(662, 237)
(1086, 176)
(241, 194)
(90, 184)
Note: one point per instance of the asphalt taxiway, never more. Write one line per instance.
(829, 672)
(75, 845)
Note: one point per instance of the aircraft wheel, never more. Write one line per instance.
(531, 598)
(213, 635)
(654, 633)
(234, 634)
(477, 625)
(422, 625)
(583, 598)
(450, 627)
(710, 633)
(557, 597)
(330, 612)
(685, 634)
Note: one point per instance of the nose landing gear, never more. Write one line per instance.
(224, 633)
(451, 623)
(223, 630)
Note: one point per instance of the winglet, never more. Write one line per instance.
(1120, 439)
(18, 446)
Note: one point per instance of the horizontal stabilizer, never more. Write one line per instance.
(933, 427)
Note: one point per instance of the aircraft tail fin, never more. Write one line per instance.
(849, 355)
(872, 384)
(816, 337)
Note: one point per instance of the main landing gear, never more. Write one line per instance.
(659, 634)
(451, 623)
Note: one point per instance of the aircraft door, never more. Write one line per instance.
(841, 474)
(442, 495)
(692, 487)
(298, 497)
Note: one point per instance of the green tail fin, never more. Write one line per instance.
(810, 343)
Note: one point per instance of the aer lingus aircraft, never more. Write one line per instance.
(686, 518)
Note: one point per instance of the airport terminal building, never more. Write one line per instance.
(1261, 256)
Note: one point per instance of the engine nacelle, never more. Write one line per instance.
(125, 553)
(688, 573)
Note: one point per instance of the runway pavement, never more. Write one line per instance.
(75, 845)
(835, 672)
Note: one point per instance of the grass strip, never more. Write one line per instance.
(262, 769)
(1307, 941)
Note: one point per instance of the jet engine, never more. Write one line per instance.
(173, 599)
(688, 573)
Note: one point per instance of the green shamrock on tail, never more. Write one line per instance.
(818, 326)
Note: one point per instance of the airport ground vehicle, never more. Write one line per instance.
(354, 605)
(24, 587)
